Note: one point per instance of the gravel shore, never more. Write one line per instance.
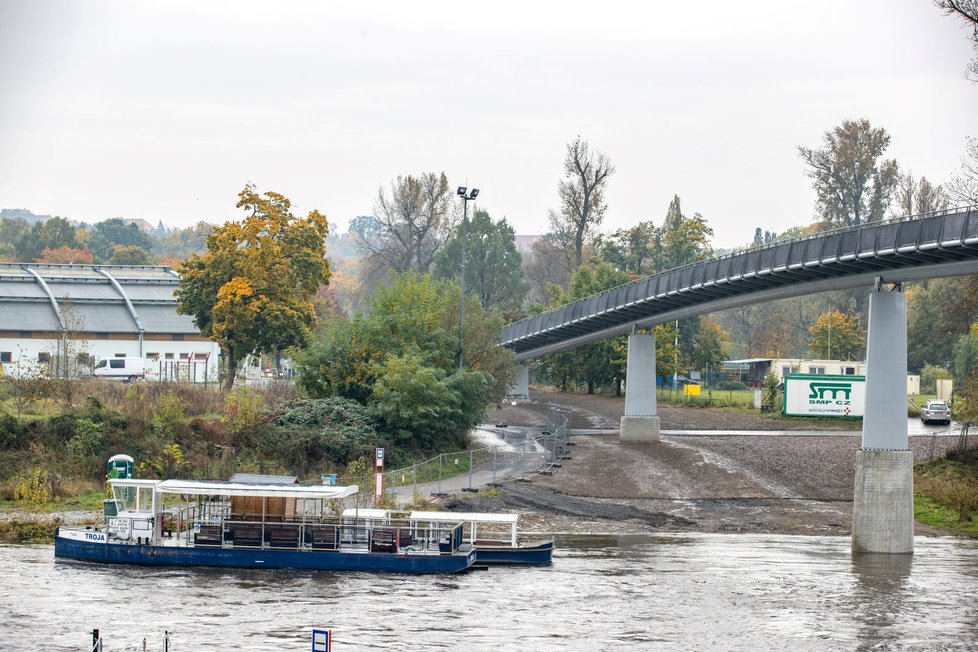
(757, 483)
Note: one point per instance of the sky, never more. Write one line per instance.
(165, 110)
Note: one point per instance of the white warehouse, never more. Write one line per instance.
(111, 311)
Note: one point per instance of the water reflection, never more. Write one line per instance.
(882, 584)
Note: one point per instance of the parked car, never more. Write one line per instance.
(124, 369)
(934, 411)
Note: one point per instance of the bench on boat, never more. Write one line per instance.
(324, 537)
(283, 536)
(246, 535)
(383, 540)
(209, 535)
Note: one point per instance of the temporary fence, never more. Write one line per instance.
(515, 454)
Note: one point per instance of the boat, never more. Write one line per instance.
(494, 536)
(256, 522)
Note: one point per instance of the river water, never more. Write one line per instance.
(601, 593)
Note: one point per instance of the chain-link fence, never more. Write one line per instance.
(513, 453)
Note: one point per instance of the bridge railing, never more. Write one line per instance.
(842, 243)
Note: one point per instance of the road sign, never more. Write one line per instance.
(322, 640)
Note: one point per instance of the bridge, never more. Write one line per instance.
(878, 255)
(898, 250)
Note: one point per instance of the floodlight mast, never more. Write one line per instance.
(467, 195)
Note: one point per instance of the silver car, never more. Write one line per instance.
(935, 411)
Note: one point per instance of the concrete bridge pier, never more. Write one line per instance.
(520, 389)
(640, 422)
(882, 506)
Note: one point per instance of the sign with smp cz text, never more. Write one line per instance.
(824, 395)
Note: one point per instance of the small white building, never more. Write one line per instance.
(110, 311)
(754, 370)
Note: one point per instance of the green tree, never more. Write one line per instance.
(853, 183)
(918, 196)
(130, 255)
(837, 336)
(109, 234)
(400, 356)
(10, 232)
(966, 376)
(50, 234)
(492, 264)
(254, 287)
(938, 313)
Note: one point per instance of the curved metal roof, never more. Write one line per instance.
(905, 249)
(102, 298)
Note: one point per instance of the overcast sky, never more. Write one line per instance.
(164, 110)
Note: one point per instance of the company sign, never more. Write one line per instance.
(821, 395)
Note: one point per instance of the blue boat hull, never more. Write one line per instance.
(328, 560)
(536, 555)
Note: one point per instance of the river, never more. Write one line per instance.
(763, 592)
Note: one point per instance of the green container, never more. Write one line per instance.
(121, 466)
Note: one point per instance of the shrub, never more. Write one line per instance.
(731, 385)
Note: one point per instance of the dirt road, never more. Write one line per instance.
(790, 484)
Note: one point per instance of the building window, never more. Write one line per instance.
(184, 356)
(178, 337)
(849, 371)
(785, 372)
(6, 356)
(44, 357)
(118, 355)
(816, 370)
(169, 356)
(152, 356)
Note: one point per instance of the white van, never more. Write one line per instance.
(125, 369)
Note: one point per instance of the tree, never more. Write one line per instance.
(413, 219)
(852, 183)
(109, 234)
(130, 255)
(50, 234)
(967, 11)
(545, 268)
(631, 250)
(492, 264)
(710, 347)
(581, 193)
(66, 255)
(10, 232)
(253, 289)
(938, 313)
(837, 336)
(400, 357)
(918, 196)
(963, 186)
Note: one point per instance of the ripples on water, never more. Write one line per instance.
(601, 593)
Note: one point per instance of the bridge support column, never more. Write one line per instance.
(521, 386)
(640, 422)
(882, 506)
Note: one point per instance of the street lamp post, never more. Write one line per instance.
(466, 194)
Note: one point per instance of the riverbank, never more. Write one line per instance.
(722, 483)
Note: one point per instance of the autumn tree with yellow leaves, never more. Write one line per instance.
(253, 289)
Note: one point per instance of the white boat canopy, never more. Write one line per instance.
(207, 488)
(468, 517)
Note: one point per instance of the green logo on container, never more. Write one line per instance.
(830, 391)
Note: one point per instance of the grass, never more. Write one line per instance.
(946, 492)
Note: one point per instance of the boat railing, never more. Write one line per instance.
(328, 532)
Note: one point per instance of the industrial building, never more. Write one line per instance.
(95, 312)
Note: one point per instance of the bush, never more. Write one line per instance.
(731, 385)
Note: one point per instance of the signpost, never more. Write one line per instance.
(824, 395)
(379, 492)
(322, 640)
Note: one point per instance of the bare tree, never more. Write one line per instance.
(582, 204)
(963, 186)
(852, 183)
(413, 219)
(918, 196)
(966, 10)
